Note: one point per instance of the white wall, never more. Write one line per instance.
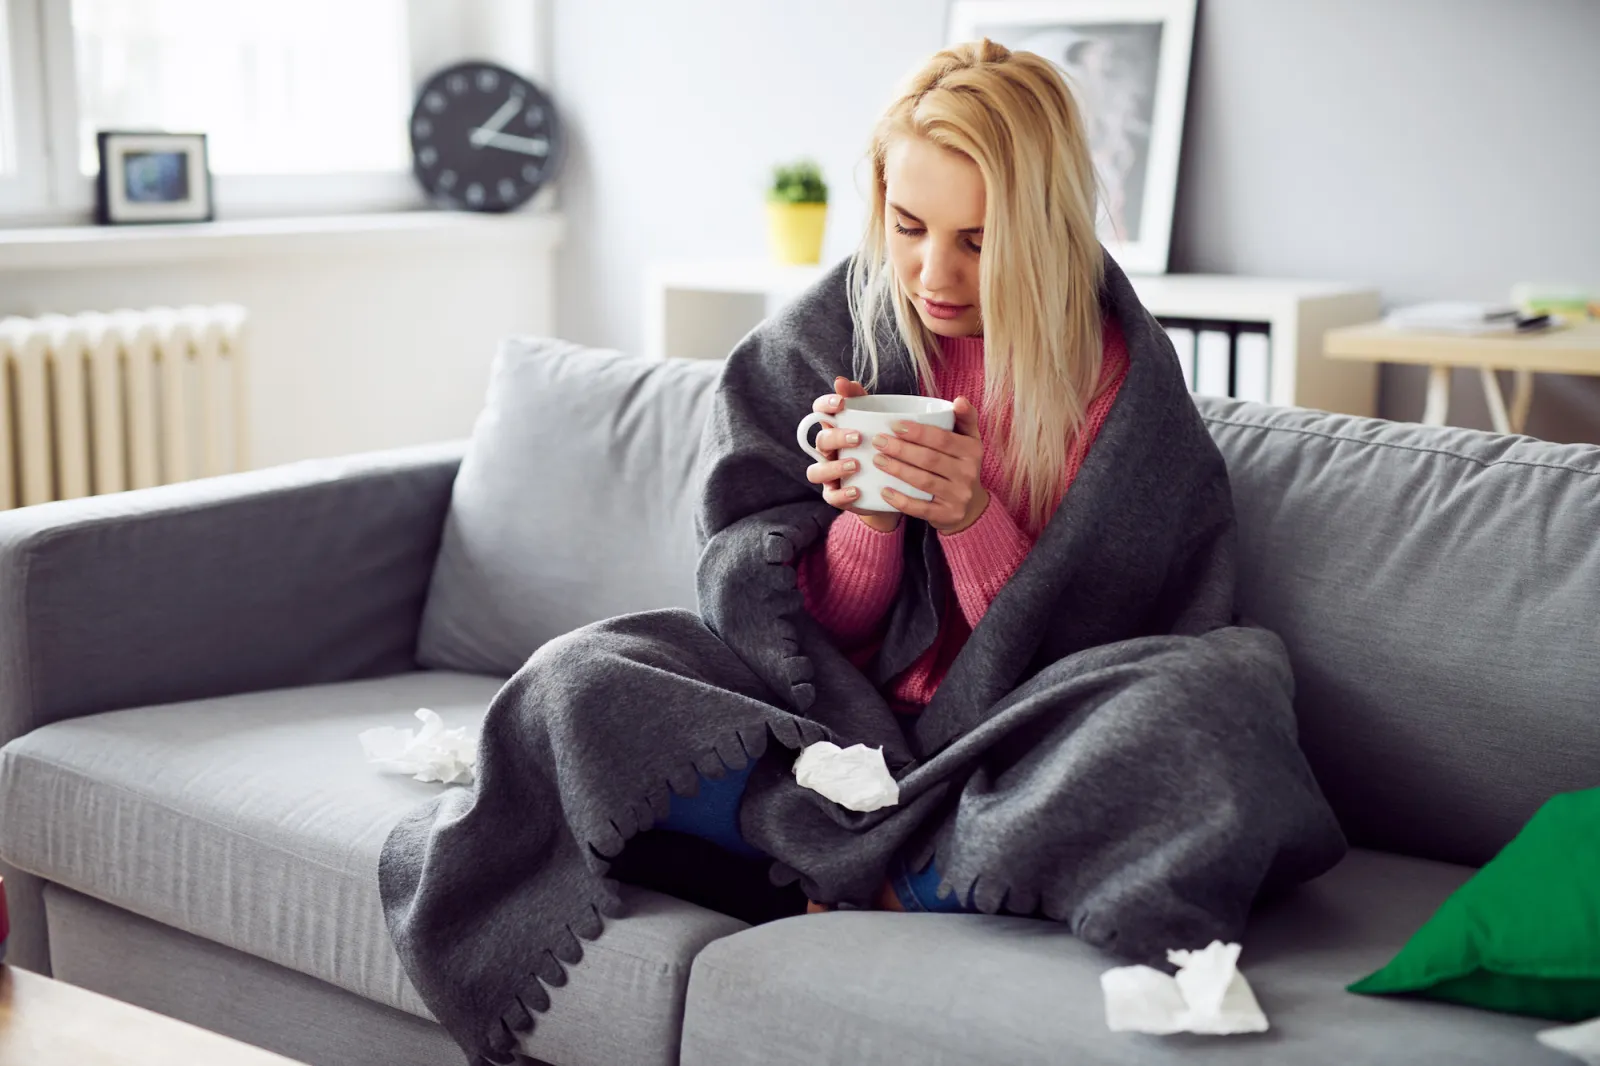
(678, 112)
(1435, 148)
(357, 342)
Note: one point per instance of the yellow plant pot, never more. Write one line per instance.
(795, 231)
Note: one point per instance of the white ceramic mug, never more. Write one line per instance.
(870, 416)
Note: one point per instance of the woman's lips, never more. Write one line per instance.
(939, 310)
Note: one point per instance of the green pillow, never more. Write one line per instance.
(1523, 935)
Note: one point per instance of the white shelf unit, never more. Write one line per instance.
(700, 309)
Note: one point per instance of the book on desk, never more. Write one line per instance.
(1464, 319)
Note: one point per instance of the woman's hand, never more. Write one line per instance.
(945, 463)
(833, 470)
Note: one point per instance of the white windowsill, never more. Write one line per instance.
(71, 247)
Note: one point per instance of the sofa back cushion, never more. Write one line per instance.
(1438, 589)
(1439, 593)
(574, 502)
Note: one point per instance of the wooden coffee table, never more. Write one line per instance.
(48, 1023)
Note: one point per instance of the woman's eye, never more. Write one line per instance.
(907, 231)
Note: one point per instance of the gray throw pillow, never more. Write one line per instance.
(575, 502)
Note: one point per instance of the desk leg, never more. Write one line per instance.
(1497, 401)
(1521, 400)
(1438, 405)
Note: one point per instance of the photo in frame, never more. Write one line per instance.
(152, 177)
(1127, 62)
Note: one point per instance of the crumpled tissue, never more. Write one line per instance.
(1208, 995)
(855, 778)
(434, 753)
(1581, 1041)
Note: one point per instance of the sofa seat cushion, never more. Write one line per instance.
(255, 821)
(936, 988)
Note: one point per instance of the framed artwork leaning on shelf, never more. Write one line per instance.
(1128, 64)
(152, 177)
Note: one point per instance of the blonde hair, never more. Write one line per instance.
(1040, 272)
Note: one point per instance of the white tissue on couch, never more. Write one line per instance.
(855, 778)
(1581, 1041)
(1208, 995)
(434, 753)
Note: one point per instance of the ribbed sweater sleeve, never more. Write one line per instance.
(983, 557)
(849, 583)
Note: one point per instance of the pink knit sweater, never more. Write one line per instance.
(849, 585)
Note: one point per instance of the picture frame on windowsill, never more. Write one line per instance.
(151, 176)
(1127, 63)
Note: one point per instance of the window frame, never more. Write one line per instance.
(49, 188)
(27, 187)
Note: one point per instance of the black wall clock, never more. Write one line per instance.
(483, 138)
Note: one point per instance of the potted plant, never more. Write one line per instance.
(797, 207)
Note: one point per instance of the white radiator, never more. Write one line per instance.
(96, 403)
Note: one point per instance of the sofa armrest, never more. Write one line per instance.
(299, 574)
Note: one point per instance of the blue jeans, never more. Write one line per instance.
(713, 814)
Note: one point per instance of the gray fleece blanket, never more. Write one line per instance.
(1112, 749)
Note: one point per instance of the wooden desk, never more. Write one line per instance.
(1572, 349)
(48, 1023)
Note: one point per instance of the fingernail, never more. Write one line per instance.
(900, 427)
(880, 460)
(852, 438)
(881, 439)
(852, 493)
(850, 466)
(835, 401)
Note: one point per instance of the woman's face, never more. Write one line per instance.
(934, 220)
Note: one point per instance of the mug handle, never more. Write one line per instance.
(802, 434)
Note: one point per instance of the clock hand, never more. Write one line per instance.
(536, 146)
(498, 119)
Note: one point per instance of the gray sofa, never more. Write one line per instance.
(184, 671)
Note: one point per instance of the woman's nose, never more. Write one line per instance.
(940, 272)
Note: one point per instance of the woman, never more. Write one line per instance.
(1078, 727)
(1035, 377)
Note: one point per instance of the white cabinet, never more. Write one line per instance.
(700, 309)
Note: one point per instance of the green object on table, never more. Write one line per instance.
(1523, 935)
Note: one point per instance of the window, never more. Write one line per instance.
(23, 183)
(304, 103)
(279, 86)
(8, 136)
